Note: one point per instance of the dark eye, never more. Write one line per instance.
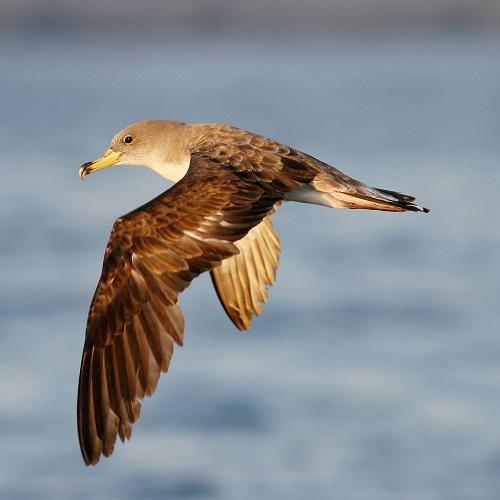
(128, 139)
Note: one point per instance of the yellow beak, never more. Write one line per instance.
(109, 158)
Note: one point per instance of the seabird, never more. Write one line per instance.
(217, 218)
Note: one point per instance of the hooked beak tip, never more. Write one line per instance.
(109, 159)
(84, 170)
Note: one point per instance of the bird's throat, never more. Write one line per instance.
(173, 170)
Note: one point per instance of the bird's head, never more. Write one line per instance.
(151, 143)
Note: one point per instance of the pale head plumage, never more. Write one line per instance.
(150, 142)
(161, 145)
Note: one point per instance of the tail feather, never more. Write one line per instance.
(369, 202)
(361, 196)
(327, 190)
(400, 196)
(400, 200)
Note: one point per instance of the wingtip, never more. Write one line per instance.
(425, 210)
(91, 461)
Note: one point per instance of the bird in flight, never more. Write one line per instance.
(217, 218)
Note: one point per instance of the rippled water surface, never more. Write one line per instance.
(374, 372)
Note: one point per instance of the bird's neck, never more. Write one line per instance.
(172, 169)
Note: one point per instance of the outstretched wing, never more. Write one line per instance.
(241, 281)
(153, 254)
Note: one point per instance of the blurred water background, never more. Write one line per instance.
(374, 371)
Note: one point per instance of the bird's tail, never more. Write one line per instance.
(384, 199)
(332, 188)
(344, 192)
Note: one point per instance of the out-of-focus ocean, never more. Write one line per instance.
(374, 371)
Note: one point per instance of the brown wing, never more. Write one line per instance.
(241, 281)
(269, 161)
(290, 169)
(153, 254)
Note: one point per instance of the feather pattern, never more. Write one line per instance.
(152, 256)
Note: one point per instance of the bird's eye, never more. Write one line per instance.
(128, 139)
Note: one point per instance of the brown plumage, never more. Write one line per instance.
(241, 281)
(216, 218)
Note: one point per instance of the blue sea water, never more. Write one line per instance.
(374, 371)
